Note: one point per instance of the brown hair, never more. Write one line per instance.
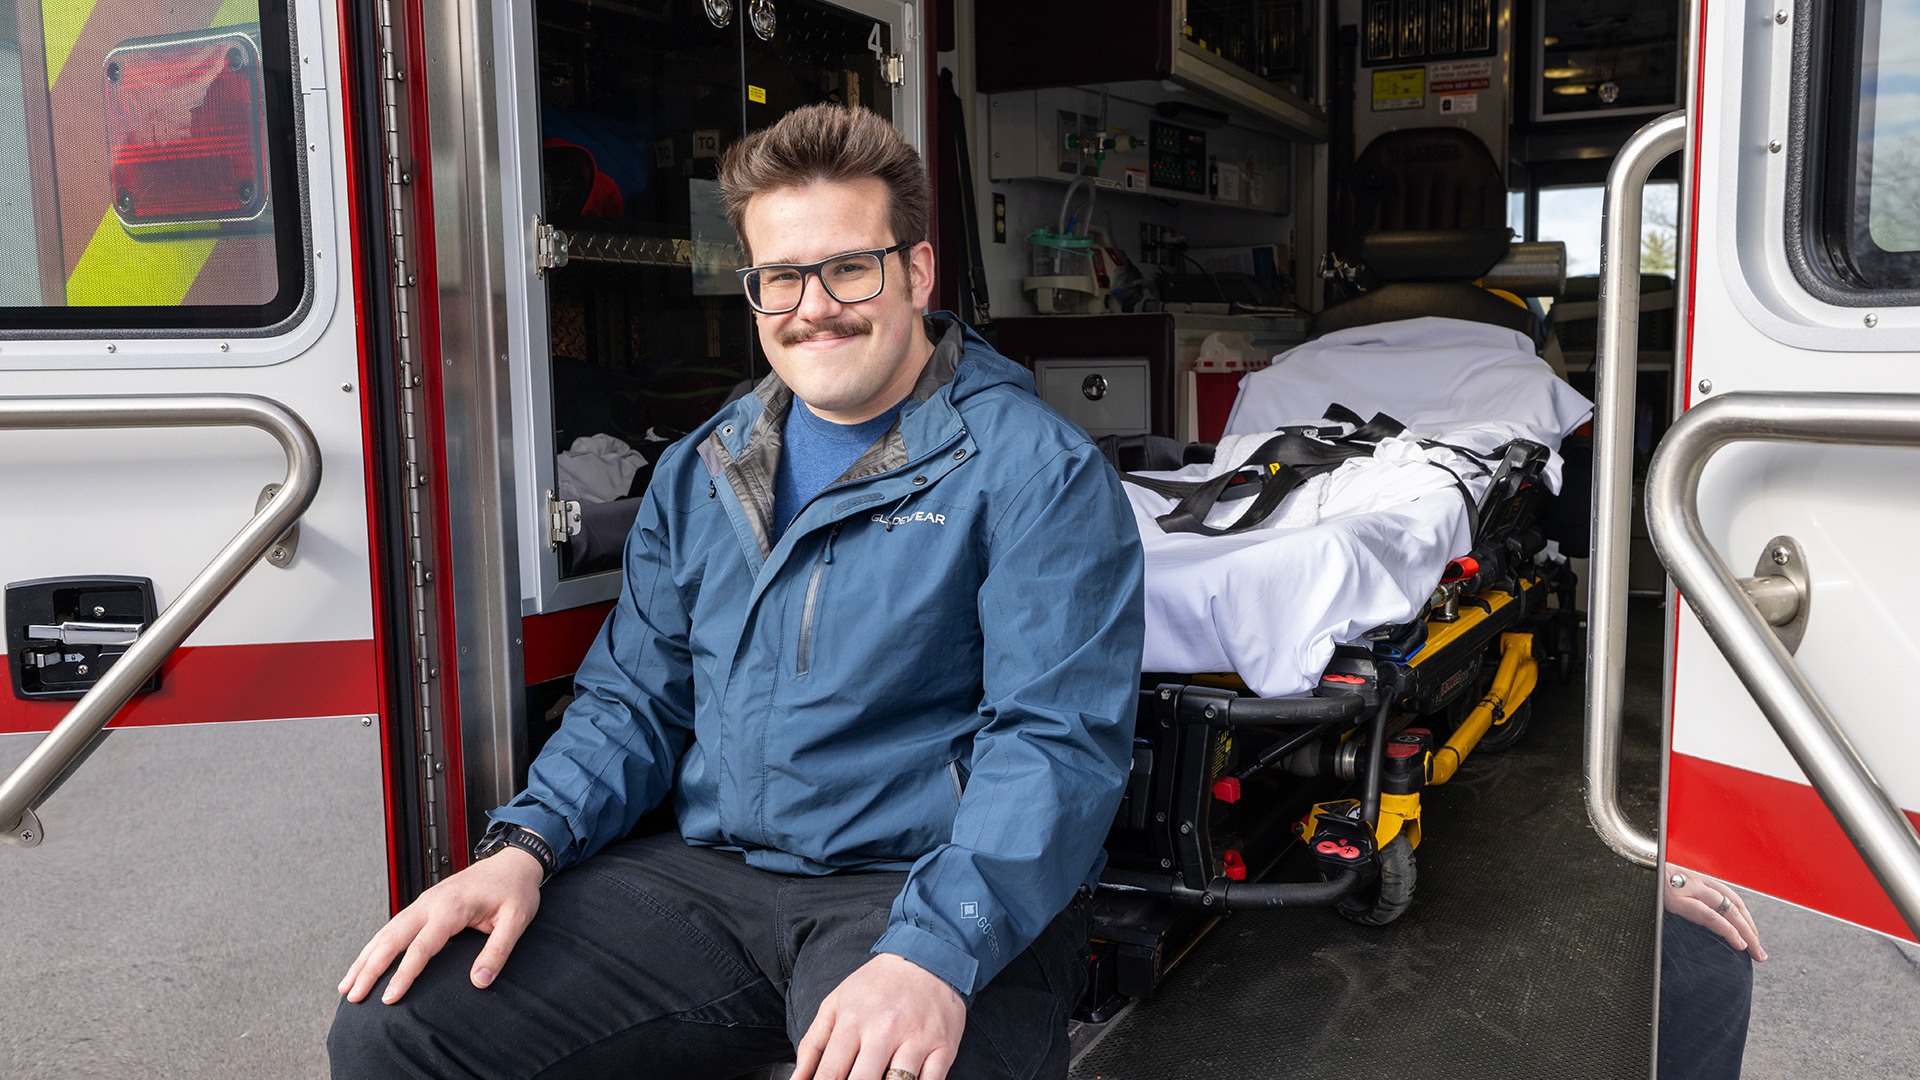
(831, 143)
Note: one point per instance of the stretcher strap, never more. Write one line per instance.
(1281, 464)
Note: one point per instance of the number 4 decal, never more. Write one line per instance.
(873, 42)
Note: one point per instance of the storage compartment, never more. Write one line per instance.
(636, 306)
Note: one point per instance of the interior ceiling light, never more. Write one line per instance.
(1562, 73)
(1574, 88)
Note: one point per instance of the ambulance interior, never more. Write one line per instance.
(1158, 207)
(1145, 203)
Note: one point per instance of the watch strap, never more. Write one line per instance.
(506, 835)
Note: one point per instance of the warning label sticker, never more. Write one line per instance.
(1459, 103)
(1399, 88)
(1457, 75)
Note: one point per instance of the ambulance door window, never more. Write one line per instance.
(1871, 227)
(147, 166)
(647, 327)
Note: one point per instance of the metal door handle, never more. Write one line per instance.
(1738, 624)
(86, 633)
(1615, 357)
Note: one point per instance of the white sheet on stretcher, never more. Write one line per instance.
(1359, 547)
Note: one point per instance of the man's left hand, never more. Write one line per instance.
(890, 1014)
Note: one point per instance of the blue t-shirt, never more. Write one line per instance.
(816, 452)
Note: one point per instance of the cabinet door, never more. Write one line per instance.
(644, 333)
(645, 327)
(806, 51)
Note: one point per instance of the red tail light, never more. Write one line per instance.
(186, 129)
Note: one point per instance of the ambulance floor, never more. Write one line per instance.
(1528, 951)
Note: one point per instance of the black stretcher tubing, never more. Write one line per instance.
(1232, 712)
(1225, 896)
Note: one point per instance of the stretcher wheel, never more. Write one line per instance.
(1508, 735)
(1389, 897)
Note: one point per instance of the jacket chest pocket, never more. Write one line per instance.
(810, 603)
(870, 601)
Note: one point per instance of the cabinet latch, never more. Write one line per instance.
(563, 520)
(893, 68)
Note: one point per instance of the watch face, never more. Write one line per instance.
(494, 840)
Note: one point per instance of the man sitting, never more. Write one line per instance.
(880, 634)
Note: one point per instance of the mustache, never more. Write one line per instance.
(843, 326)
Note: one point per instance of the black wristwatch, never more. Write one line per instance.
(505, 835)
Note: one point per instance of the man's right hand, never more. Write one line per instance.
(497, 896)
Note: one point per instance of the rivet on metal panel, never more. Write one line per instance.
(1780, 16)
(1773, 146)
(346, 388)
(445, 860)
(1706, 386)
(111, 348)
(433, 673)
(366, 721)
(224, 346)
(1871, 320)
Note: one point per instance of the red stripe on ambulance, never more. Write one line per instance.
(1772, 835)
(208, 684)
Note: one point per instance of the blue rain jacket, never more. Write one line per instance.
(934, 669)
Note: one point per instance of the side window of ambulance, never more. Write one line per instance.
(148, 173)
(1870, 173)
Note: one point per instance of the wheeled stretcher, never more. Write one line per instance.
(1373, 629)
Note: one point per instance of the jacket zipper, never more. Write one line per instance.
(803, 657)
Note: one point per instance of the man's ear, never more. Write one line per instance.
(920, 264)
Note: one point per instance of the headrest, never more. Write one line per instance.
(1434, 254)
(1535, 268)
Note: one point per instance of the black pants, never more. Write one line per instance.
(1706, 994)
(655, 959)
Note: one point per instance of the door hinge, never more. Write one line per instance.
(549, 247)
(563, 520)
(893, 69)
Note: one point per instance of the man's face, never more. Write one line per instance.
(848, 362)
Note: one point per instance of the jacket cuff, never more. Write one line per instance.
(945, 960)
(551, 827)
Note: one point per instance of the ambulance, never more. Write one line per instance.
(337, 341)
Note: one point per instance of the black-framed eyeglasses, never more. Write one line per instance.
(850, 277)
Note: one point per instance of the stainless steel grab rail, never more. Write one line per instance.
(36, 778)
(1872, 820)
(1615, 358)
